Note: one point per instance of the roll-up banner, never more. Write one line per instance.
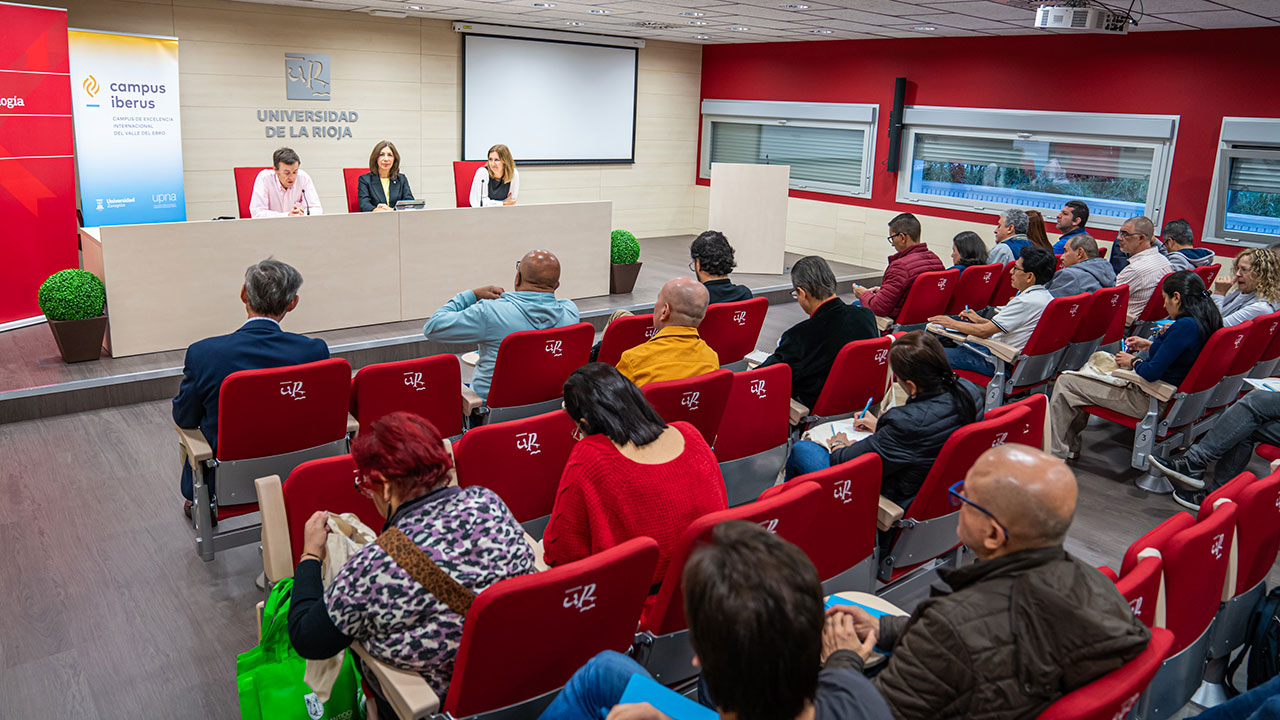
(37, 168)
(128, 130)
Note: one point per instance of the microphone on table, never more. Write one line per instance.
(305, 206)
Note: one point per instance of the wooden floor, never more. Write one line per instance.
(106, 612)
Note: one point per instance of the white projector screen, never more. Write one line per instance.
(550, 102)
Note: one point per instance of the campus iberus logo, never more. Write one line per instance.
(91, 85)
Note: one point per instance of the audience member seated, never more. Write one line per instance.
(911, 258)
(676, 350)
(1179, 241)
(1011, 236)
(1252, 419)
(1168, 358)
(756, 624)
(1035, 231)
(712, 260)
(1145, 265)
(967, 250)
(488, 314)
(909, 437)
(468, 533)
(1021, 627)
(1071, 221)
(1083, 270)
(810, 346)
(269, 292)
(631, 474)
(1013, 323)
(1257, 287)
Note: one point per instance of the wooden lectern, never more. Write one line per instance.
(749, 205)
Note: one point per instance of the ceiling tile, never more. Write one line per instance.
(1167, 7)
(1265, 8)
(1218, 19)
(985, 9)
(953, 20)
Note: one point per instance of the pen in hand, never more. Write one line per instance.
(865, 408)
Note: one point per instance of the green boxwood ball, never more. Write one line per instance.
(624, 248)
(72, 295)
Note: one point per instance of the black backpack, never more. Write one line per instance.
(1262, 644)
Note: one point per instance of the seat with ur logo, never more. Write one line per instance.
(1143, 588)
(929, 295)
(269, 422)
(751, 442)
(1244, 357)
(860, 373)
(520, 460)
(975, 287)
(1103, 324)
(662, 646)
(430, 387)
(699, 400)
(1004, 289)
(531, 367)
(732, 329)
(623, 334)
(1113, 696)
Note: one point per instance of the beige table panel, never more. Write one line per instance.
(443, 252)
(170, 284)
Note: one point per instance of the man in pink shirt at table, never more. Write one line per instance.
(285, 191)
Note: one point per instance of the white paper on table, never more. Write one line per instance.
(823, 433)
(1270, 384)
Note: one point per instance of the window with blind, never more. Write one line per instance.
(828, 146)
(1249, 195)
(990, 160)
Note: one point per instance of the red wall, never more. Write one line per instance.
(1200, 75)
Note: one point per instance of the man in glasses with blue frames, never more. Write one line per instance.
(1024, 625)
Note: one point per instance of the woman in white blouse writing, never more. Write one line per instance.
(498, 182)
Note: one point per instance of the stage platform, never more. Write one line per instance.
(35, 383)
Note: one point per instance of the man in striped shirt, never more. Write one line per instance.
(1146, 265)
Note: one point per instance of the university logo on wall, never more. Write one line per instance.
(306, 76)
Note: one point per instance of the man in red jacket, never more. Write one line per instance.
(912, 258)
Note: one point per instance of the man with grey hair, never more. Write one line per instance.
(993, 643)
(810, 347)
(1011, 236)
(675, 351)
(1146, 268)
(269, 292)
(1179, 241)
(1083, 269)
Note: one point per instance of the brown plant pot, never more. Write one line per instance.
(622, 278)
(79, 340)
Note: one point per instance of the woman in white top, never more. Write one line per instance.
(497, 183)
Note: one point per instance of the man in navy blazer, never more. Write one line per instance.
(269, 292)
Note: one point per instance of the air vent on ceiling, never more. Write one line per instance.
(654, 25)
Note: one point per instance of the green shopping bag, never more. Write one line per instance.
(269, 677)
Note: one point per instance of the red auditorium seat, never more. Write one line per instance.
(699, 400)
(531, 367)
(842, 539)
(1163, 429)
(244, 177)
(430, 387)
(520, 460)
(1196, 558)
(732, 329)
(269, 422)
(929, 295)
(464, 171)
(1208, 274)
(1035, 428)
(1103, 324)
(1143, 587)
(623, 334)
(1244, 357)
(751, 442)
(860, 373)
(1151, 312)
(351, 181)
(1270, 355)
(663, 645)
(1112, 696)
(974, 288)
(1004, 290)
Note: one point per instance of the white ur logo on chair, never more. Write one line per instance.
(528, 442)
(1136, 606)
(649, 331)
(1074, 308)
(986, 276)
(770, 525)
(293, 389)
(414, 380)
(1000, 438)
(942, 283)
(690, 399)
(582, 597)
(740, 317)
(554, 347)
(757, 388)
(882, 356)
(843, 491)
(1217, 545)
(1124, 710)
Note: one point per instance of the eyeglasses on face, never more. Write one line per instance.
(691, 267)
(957, 500)
(1123, 234)
(891, 237)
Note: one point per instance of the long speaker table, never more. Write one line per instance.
(170, 284)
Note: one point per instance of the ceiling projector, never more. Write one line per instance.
(1082, 19)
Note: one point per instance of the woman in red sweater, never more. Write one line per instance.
(631, 475)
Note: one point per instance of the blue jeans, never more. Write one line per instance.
(595, 688)
(1260, 703)
(807, 456)
(977, 360)
(1251, 419)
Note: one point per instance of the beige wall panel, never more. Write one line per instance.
(656, 221)
(819, 238)
(218, 123)
(543, 195)
(441, 125)
(317, 155)
(265, 92)
(309, 33)
(440, 69)
(682, 84)
(438, 38)
(668, 106)
(559, 177)
(232, 58)
(644, 197)
(122, 16)
(664, 128)
(665, 151)
(670, 57)
(440, 97)
(649, 175)
(812, 212)
(430, 274)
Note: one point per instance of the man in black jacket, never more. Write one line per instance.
(811, 346)
(711, 257)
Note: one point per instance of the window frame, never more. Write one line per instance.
(1239, 138)
(839, 116)
(1155, 132)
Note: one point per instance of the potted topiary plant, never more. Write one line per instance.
(624, 254)
(73, 302)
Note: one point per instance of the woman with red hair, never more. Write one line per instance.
(467, 532)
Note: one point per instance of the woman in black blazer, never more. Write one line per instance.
(383, 186)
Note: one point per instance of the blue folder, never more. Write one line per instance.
(642, 689)
(834, 600)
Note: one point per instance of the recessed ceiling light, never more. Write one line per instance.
(696, 22)
(574, 23)
(794, 7)
(701, 37)
(416, 7)
(691, 13)
(924, 27)
(740, 27)
(543, 4)
(598, 11)
(821, 32)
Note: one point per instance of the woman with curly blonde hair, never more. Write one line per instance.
(1257, 287)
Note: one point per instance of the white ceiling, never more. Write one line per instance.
(739, 21)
